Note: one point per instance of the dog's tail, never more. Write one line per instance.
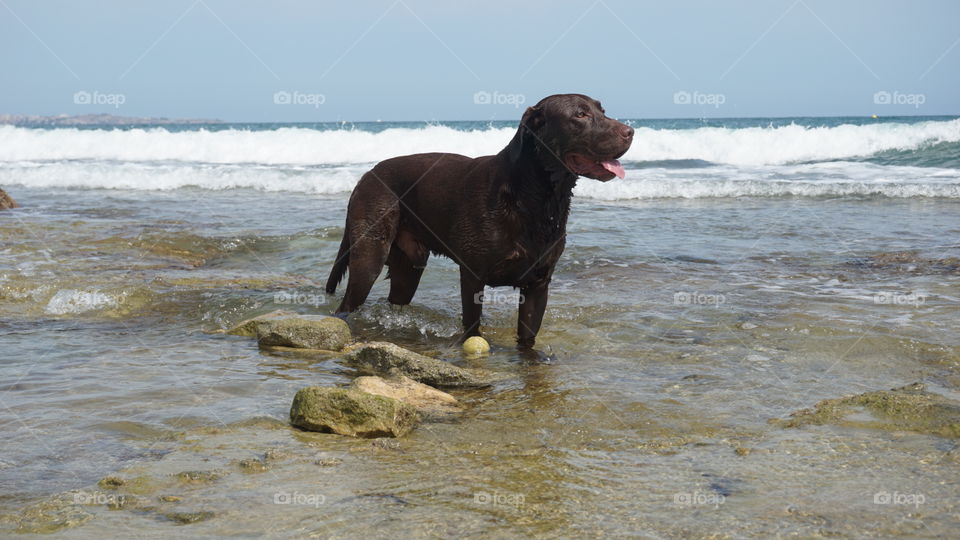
(340, 265)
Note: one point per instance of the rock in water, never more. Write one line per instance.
(7, 201)
(909, 408)
(351, 412)
(248, 327)
(386, 358)
(304, 332)
(53, 514)
(427, 399)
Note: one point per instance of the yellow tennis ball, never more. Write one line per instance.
(475, 346)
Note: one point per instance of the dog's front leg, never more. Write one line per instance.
(533, 302)
(471, 295)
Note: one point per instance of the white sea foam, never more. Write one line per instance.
(787, 144)
(70, 301)
(772, 161)
(816, 179)
(804, 180)
(300, 146)
(169, 176)
(284, 146)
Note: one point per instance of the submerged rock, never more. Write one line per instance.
(351, 412)
(186, 518)
(198, 477)
(427, 399)
(7, 201)
(379, 358)
(248, 327)
(304, 332)
(191, 249)
(909, 408)
(252, 465)
(52, 514)
(912, 262)
(137, 484)
(111, 482)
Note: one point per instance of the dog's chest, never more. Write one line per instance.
(526, 261)
(526, 240)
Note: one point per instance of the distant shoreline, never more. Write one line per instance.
(66, 120)
(95, 120)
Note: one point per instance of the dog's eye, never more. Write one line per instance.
(582, 114)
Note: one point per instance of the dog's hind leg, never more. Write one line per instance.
(404, 277)
(408, 258)
(372, 239)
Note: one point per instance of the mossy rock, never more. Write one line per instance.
(6, 201)
(913, 262)
(192, 249)
(186, 518)
(304, 332)
(351, 412)
(252, 465)
(382, 358)
(52, 514)
(111, 482)
(428, 400)
(248, 328)
(909, 408)
(199, 477)
(138, 484)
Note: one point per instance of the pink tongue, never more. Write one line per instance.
(615, 167)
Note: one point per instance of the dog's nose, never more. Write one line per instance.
(626, 131)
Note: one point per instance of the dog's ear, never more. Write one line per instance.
(530, 124)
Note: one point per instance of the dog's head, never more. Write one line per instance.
(572, 132)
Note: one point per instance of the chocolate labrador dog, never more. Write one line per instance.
(501, 218)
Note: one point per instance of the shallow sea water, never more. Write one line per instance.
(678, 330)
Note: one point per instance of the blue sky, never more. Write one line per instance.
(435, 60)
